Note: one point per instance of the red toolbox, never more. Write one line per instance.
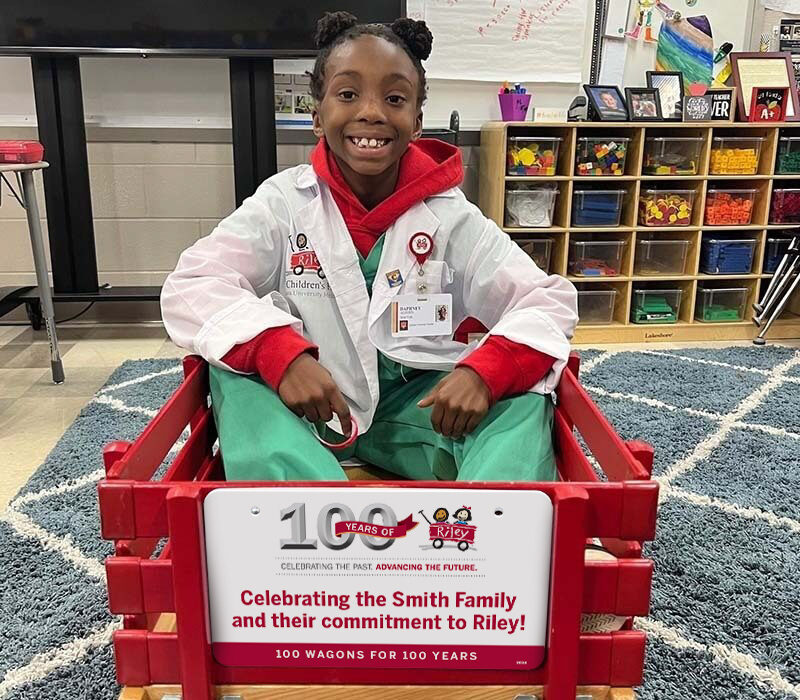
(12, 152)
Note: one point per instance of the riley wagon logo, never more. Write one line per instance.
(459, 533)
(303, 258)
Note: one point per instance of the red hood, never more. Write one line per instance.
(428, 167)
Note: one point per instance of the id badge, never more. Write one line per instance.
(419, 315)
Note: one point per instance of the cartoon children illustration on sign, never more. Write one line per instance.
(463, 515)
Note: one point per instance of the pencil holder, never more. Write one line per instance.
(514, 106)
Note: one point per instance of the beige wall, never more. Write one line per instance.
(150, 202)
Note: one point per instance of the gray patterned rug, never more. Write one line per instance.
(726, 610)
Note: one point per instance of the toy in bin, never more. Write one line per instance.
(653, 306)
(601, 156)
(597, 207)
(670, 155)
(530, 207)
(460, 532)
(727, 257)
(776, 249)
(15, 152)
(721, 305)
(666, 208)
(532, 156)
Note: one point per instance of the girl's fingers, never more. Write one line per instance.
(448, 419)
(436, 417)
(460, 424)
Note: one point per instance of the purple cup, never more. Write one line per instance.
(514, 106)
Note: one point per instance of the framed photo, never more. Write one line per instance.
(723, 105)
(768, 104)
(697, 108)
(753, 70)
(643, 104)
(670, 93)
(608, 102)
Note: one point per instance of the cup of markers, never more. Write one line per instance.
(514, 102)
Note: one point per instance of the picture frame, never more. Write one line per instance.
(644, 104)
(670, 91)
(723, 107)
(754, 69)
(697, 108)
(768, 104)
(607, 102)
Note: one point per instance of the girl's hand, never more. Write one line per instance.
(460, 402)
(308, 389)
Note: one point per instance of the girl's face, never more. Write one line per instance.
(368, 112)
(462, 514)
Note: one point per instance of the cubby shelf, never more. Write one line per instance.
(494, 179)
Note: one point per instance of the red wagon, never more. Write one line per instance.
(157, 576)
(463, 535)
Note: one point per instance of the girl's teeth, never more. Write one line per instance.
(369, 143)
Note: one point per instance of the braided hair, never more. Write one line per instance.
(334, 28)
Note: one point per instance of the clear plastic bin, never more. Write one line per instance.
(601, 156)
(660, 257)
(597, 208)
(720, 305)
(655, 305)
(730, 256)
(539, 249)
(774, 252)
(729, 207)
(788, 155)
(735, 155)
(785, 208)
(666, 207)
(672, 155)
(596, 305)
(595, 258)
(530, 207)
(535, 156)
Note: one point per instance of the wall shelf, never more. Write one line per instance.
(494, 179)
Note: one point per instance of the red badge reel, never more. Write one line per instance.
(421, 247)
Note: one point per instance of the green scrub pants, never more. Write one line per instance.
(262, 440)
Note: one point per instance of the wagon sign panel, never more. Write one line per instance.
(379, 577)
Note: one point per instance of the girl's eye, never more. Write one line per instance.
(347, 95)
(396, 99)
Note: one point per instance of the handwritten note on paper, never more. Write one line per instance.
(496, 40)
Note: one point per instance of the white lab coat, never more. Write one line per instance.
(255, 271)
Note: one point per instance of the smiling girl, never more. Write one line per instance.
(331, 296)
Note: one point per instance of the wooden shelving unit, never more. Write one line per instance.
(494, 180)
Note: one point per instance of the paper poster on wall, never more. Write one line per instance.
(497, 40)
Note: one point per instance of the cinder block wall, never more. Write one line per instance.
(151, 200)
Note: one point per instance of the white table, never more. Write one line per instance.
(27, 198)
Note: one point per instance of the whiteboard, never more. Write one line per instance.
(175, 92)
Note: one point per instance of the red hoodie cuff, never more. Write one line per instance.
(269, 354)
(506, 367)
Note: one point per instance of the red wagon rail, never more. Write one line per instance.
(164, 647)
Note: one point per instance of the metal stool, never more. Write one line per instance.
(27, 199)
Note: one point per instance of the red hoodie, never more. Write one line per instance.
(428, 167)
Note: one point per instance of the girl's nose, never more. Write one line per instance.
(371, 110)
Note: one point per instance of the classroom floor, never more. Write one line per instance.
(34, 412)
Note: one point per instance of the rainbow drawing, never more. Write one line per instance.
(687, 46)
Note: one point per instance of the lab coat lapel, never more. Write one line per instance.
(397, 256)
(322, 222)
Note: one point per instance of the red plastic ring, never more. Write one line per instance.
(341, 445)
